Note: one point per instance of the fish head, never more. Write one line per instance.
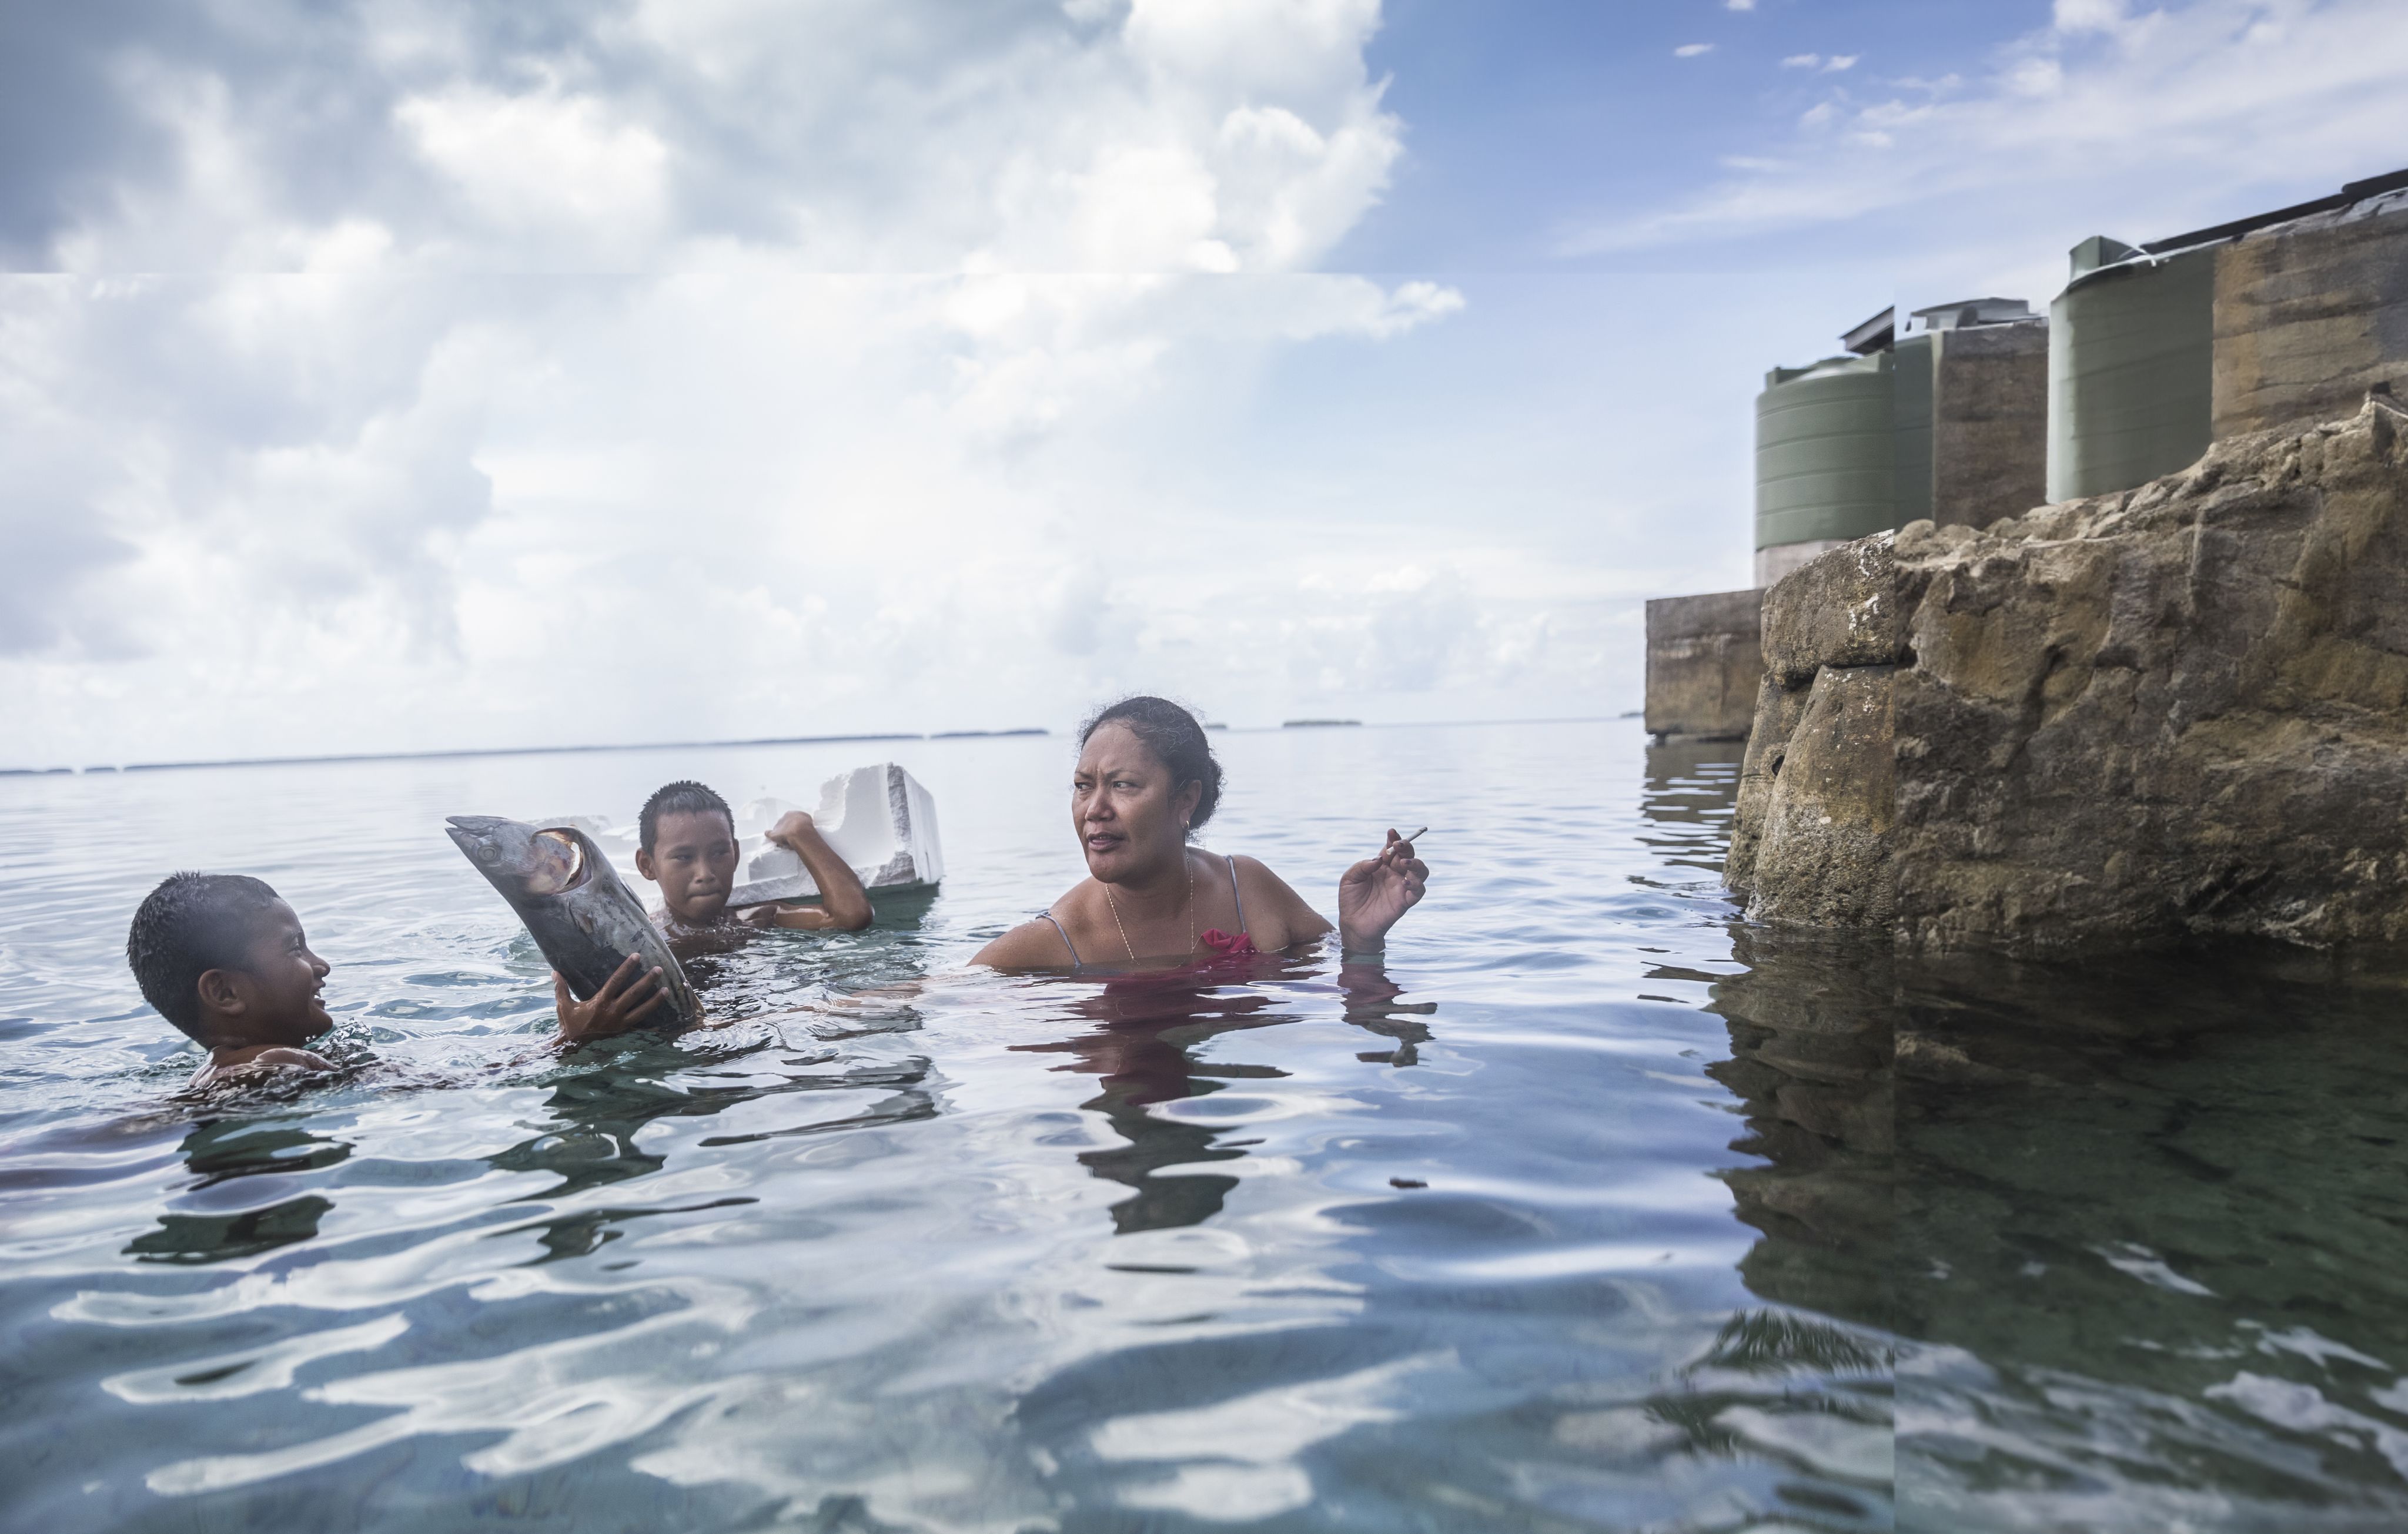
(524, 859)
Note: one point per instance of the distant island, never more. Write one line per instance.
(980, 735)
(1320, 723)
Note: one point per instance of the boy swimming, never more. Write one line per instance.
(226, 962)
(686, 844)
(225, 959)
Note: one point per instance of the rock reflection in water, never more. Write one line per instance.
(1812, 1022)
(2127, 1215)
(2152, 1217)
(2138, 1222)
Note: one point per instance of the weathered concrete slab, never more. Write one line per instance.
(2310, 315)
(1989, 423)
(1703, 662)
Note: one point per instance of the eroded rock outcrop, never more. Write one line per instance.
(2176, 709)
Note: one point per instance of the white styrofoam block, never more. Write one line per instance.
(877, 818)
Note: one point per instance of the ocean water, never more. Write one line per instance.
(1602, 1210)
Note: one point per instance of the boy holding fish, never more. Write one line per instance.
(225, 959)
(686, 844)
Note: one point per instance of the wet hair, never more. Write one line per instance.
(682, 798)
(191, 923)
(1171, 733)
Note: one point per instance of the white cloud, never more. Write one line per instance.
(2175, 118)
(1691, 50)
(741, 367)
(1802, 61)
(543, 165)
(1739, 5)
(1158, 134)
(1842, 61)
(380, 512)
(2034, 77)
(2073, 16)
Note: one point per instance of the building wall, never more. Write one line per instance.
(1704, 661)
(1911, 380)
(1989, 424)
(2309, 315)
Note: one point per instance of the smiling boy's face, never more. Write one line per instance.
(275, 996)
(693, 859)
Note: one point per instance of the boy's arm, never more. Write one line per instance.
(843, 903)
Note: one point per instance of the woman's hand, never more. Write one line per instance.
(1374, 892)
(630, 995)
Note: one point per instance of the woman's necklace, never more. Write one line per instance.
(1190, 909)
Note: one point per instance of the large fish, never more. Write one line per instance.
(585, 921)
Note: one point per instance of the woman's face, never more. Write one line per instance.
(1129, 815)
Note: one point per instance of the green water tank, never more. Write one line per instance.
(2130, 367)
(1825, 452)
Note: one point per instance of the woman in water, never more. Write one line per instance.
(1146, 782)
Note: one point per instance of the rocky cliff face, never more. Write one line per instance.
(2176, 709)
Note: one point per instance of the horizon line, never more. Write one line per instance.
(478, 751)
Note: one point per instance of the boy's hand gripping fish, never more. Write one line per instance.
(586, 922)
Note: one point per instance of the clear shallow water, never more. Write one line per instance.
(1716, 1229)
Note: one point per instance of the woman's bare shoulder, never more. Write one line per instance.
(1256, 878)
(1034, 945)
(1273, 897)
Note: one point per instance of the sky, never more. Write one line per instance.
(411, 375)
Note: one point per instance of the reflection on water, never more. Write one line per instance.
(232, 1206)
(1142, 1051)
(1598, 1209)
(2140, 1223)
(1812, 1020)
(2155, 1223)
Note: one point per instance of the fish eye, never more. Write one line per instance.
(559, 863)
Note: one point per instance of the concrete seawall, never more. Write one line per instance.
(1703, 658)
